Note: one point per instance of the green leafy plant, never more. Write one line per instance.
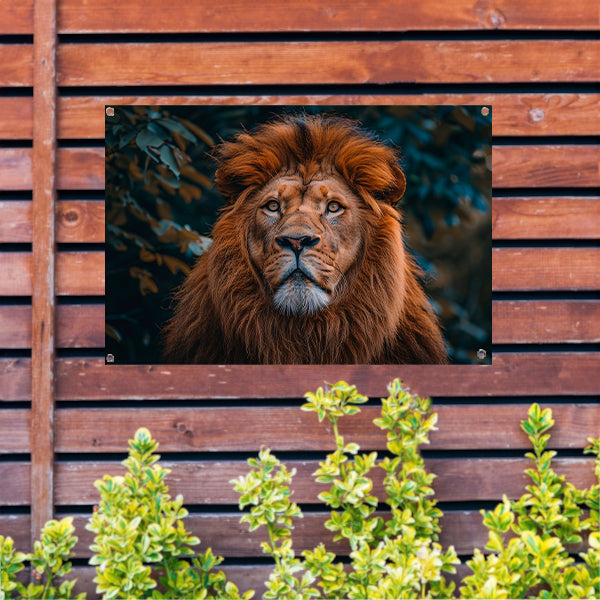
(49, 560)
(528, 538)
(399, 556)
(141, 548)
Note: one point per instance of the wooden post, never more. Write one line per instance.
(43, 298)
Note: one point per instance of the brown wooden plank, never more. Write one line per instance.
(15, 221)
(17, 527)
(513, 114)
(77, 326)
(16, 484)
(76, 221)
(527, 269)
(15, 169)
(238, 63)
(551, 373)
(554, 373)
(204, 483)
(545, 218)
(15, 379)
(80, 221)
(15, 428)
(43, 299)
(80, 169)
(545, 321)
(17, 17)
(16, 66)
(17, 118)
(290, 429)
(77, 274)
(150, 16)
(546, 166)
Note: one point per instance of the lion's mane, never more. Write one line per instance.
(223, 313)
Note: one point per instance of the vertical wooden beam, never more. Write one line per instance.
(43, 300)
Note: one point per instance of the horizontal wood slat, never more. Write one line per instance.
(546, 166)
(290, 429)
(208, 482)
(514, 166)
(16, 65)
(545, 218)
(137, 16)
(15, 432)
(229, 538)
(531, 374)
(76, 221)
(205, 483)
(275, 63)
(539, 321)
(515, 322)
(512, 373)
(77, 273)
(77, 326)
(513, 114)
(457, 479)
(543, 269)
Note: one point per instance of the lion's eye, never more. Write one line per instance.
(272, 206)
(334, 206)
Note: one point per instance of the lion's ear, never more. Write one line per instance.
(396, 185)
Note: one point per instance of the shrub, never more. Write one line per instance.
(400, 557)
(142, 549)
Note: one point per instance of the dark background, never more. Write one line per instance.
(161, 204)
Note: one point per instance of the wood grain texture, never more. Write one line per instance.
(15, 432)
(15, 169)
(513, 114)
(208, 482)
(150, 16)
(530, 374)
(290, 429)
(76, 221)
(80, 169)
(545, 321)
(43, 299)
(77, 326)
(553, 166)
(17, 118)
(540, 218)
(16, 66)
(223, 532)
(232, 15)
(16, 488)
(77, 274)
(272, 63)
(543, 269)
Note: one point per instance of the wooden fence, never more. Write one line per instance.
(65, 417)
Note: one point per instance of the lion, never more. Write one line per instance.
(308, 263)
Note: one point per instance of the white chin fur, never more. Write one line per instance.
(299, 298)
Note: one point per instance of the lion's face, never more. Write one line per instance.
(304, 239)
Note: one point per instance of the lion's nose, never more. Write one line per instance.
(297, 244)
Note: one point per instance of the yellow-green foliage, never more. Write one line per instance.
(399, 557)
(142, 549)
